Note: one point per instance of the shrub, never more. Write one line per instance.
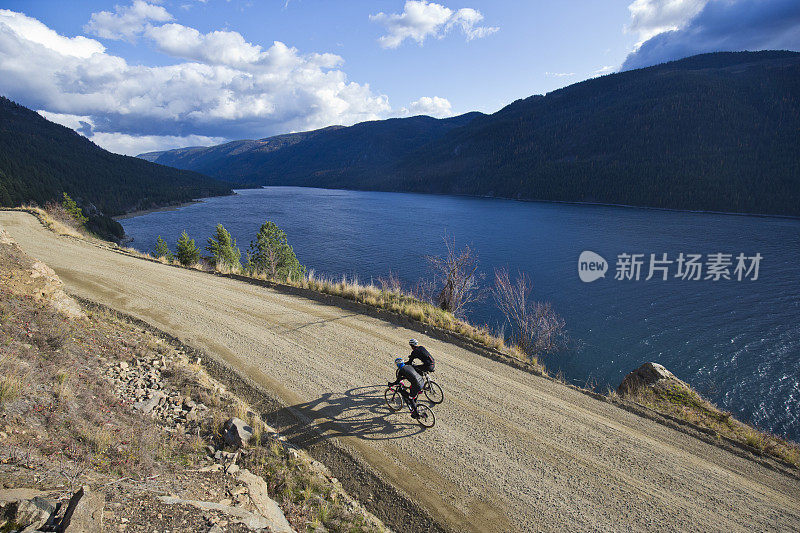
(74, 211)
(537, 329)
(224, 253)
(457, 274)
(271, 254)
(186, 251)
(162, 250)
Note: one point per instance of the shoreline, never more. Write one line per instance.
(175, 207)
(143, 212)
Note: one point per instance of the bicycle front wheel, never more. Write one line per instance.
(393, 399)
(426, 417)
(434, 393)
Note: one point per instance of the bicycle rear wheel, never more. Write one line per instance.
(426, 417)
(393, 399)
(434, 393)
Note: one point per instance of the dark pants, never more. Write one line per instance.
(422, 368)
(410, 396)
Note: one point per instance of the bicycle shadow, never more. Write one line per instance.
(360, 412)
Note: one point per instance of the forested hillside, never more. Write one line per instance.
(40, 160)
(314, 155)
(711, 132)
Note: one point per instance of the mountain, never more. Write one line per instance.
(40, 160)
(211, 160)
(717, 132)
(313, 155)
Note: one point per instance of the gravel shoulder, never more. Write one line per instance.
(510, 451)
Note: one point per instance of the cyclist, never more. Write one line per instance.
(418, 352)
(407, 372)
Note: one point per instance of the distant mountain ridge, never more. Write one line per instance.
(715, 132)
(362, 147)
(40, 160)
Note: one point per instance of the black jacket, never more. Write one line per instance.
(407, 372)
(421, 354)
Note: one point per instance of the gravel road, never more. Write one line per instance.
(510, 451)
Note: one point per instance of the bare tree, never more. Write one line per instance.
(457, 274)
(536, 326)
(391, 283)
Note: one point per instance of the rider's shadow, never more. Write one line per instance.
(360, 412)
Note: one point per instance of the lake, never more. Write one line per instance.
(737, 342)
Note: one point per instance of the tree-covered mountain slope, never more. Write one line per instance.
(40, 160)
(718, 132)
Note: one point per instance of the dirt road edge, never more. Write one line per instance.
(393, 506)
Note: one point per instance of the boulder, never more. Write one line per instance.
(646, 375)
(237, 432)
(26, 508)
(148, 405)
(266, 506)
(84, 512)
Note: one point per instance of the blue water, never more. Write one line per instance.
(738, 342)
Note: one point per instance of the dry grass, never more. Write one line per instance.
(55, 219)
(11, 382)
(390, 296)
(675, 399)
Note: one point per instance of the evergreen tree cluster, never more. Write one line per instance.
(40, 160)
(270, 253)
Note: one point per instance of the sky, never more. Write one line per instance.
(142, 75)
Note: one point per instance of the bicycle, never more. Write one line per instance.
(433, 392)
(396, 401)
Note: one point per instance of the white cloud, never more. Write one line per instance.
(37, 33)
(121, 143)
(421, 19)
(602, 71)
(216, 47)
(229, 89)
(651, 17)
(729, 25)
(432, 106)
(126, 22)
(558, 74)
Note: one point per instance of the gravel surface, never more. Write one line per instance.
(509, 452)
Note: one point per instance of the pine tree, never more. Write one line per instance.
(162, 250)
(74, 211)
(186, 251)
(223, 249)
(272, 255)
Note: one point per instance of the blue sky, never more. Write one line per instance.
(138, 75)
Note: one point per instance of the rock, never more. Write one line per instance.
(237, 432)
(645, 375)
(147, 406)
(232, 469)
(266, 506)
(25, 507)
(84, 512)
(242, 516)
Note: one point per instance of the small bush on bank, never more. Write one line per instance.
(186, 251)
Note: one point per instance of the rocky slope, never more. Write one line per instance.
(105, 426)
